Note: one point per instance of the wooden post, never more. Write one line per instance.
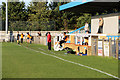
(103, 47)
(89, 51)
(25, 39)
(110, 48)
(97, 46)
(117, 48)
(39, 39)
(72, 39)
(34, 39)
(94, 42)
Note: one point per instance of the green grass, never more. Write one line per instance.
(19, 62)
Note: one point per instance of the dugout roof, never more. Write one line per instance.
(90, 6)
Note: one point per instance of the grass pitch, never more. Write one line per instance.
(19, 62)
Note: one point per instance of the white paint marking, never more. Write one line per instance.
(74, 63)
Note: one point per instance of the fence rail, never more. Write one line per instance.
(106, 48)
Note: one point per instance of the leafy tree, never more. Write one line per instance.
(83, 19)
(16, 12)
(63, 20)
(38, 11)
(40, 16)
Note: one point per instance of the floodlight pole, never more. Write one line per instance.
(6, 17)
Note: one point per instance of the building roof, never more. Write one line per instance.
(90, 6)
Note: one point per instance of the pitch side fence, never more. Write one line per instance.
(106, 48)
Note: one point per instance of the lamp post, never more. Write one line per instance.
(6, 17)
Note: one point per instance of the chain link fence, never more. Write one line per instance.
(28, 26)
(31, 26)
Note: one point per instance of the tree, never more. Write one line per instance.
(38, 11)
(83, 19)
(16, 12)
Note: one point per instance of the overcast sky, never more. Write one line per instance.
(26, 1)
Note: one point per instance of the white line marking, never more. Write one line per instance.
(74, 63)
(41, 49)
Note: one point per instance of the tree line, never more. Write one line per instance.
(41, 16)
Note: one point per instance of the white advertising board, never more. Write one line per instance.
(106, 48)
(100, 48)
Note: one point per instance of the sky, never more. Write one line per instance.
(26, 1)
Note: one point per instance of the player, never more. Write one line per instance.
(18, 35)
(31, 37)
(28, 37)
(22, 38)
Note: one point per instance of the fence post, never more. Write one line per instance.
(97, 47)
(25, 39)
(103, 47)
(117, 48)
(110, 48)
(34, 39)
(39, 39)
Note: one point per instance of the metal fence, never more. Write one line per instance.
(119, 49)
(29, 25)
(36, 39)
(106, 47)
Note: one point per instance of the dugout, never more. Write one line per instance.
(111, 19)
(108, 23)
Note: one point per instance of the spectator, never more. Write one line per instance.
(86, 27)
(46, 33)
(49, 40)
(101, 23)
(39, 34)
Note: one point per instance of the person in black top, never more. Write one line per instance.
(46, 33)
(101, 23)
(39, 33)
(18, 35)
(64, 39)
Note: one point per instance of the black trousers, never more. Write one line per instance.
(62, 41)
(49, 45)
(100, 30)
(21, 40)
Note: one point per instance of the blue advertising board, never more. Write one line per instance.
(119, 50)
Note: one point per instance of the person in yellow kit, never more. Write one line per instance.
(86, 40)
(28, 37)
(22, 38)
(31, 39)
